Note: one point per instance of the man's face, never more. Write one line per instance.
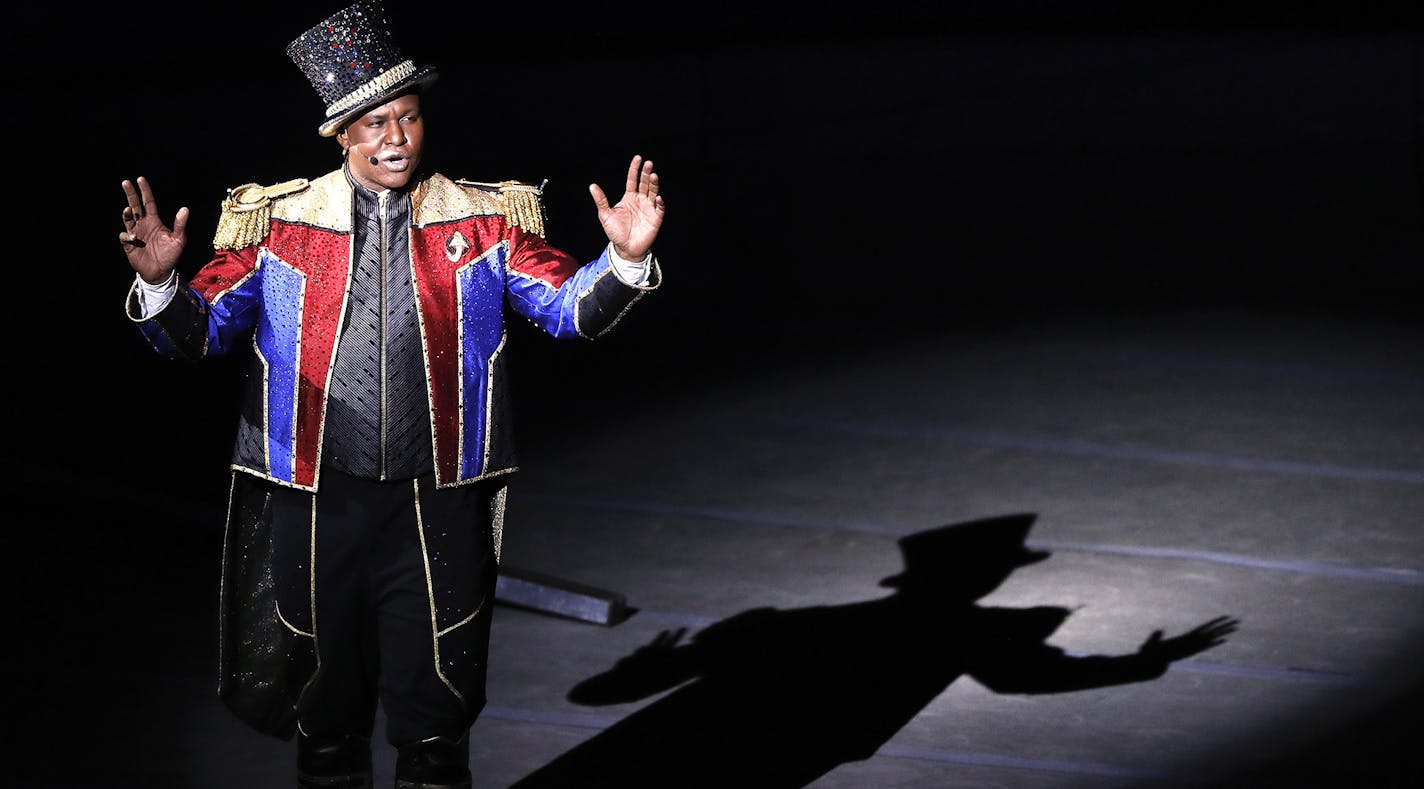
(394, 133)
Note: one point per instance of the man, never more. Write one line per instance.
(368, 470)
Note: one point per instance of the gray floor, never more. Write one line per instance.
(1177, 467)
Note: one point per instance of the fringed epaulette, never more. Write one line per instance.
(519, 202)
(247, 213)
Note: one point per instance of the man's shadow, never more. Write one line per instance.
(776, 698)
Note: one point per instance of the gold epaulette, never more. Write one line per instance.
(518, 201)
(247, 213)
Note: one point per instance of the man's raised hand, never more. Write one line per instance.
(152, 248)
(633, 222)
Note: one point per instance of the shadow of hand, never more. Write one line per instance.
(656, 666)
(1198, 639)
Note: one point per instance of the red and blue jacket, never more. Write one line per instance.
(473, 250)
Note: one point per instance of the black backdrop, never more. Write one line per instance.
(838, 174)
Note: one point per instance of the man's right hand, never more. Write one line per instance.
(152, 248)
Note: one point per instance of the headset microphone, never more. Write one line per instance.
(371, 159)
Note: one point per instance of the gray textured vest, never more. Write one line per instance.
(378, 410)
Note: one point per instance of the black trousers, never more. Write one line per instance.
(389, 586)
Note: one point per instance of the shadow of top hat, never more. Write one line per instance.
(353, 62)
(948, 556)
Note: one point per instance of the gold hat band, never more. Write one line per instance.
(382, 81)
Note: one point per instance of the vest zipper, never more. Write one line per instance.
(381, 200)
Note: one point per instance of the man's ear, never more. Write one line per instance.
(342, 139)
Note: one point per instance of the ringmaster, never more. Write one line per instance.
(373, 448)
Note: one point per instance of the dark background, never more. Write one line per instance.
(839, 176)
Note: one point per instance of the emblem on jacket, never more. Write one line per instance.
(455, 247)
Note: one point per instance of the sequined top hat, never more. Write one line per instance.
(354, 63)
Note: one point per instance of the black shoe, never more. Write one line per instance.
(434, 763)
(333, 762)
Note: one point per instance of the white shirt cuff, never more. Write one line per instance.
(631, 273)
(153, 298)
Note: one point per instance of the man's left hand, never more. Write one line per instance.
(632, 223)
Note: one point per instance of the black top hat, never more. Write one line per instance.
(354, 63)
(947, 554)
